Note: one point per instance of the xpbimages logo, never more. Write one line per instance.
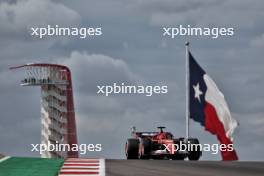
(213, 148)
(57, 147)
(81, 32)
(188, 30)
(131, 89)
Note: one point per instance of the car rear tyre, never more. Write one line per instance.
(195, 152)
(176, 155)
(131, 148)
(145, 149)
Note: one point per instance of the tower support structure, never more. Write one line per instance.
(58, 124)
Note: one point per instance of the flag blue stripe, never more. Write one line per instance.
(196, 77)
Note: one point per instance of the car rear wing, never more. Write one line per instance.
(146, 134)
(135, 133)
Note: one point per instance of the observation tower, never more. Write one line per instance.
(58, 124)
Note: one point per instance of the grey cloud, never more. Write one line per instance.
(211, 14)
(92, 70)
(17, 18)
(258, 41)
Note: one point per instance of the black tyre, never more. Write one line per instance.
(131, 148)
(145, 152)
(178, 156)
(195, 153)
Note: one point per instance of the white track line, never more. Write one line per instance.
(83, 167)
(86, 162)
(5, 158)
(77, 175)
(89, 167)
(102, 167)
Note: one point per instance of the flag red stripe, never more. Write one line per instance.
(214, 125)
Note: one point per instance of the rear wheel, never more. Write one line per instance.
(131, 148)
(195, 152)
(145, 149)
(177, 155)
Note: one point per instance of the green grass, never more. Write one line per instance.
(16, 166)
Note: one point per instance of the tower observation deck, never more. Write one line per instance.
(58, 124)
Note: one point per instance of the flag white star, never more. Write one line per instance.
(197, 92)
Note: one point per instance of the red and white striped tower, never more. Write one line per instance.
(57, 107)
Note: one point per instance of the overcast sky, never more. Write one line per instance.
(133, 50)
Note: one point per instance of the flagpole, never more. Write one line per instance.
(187, 88)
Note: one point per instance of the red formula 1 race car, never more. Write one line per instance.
(161, 145)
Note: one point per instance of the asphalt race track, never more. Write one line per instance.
(185, 168)
(23, 166)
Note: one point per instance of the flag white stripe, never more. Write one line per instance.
(216, 98)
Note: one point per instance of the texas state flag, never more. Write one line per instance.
(209, 108)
